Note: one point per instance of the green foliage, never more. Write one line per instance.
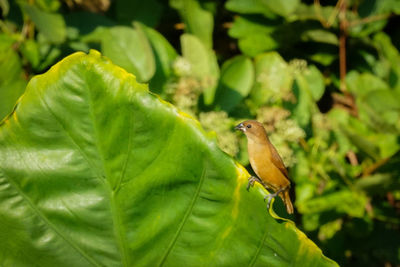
(108, 174)
(51, 25)
(138, 57)
(226, 61)
(198, 21)
(237, 77)
(128, 11)
(12, 84)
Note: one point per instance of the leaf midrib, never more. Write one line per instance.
(46, 221)
(118, 231)
(185, 218)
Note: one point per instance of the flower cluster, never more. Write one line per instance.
(219, 122)
(184, 94)
(298, 65)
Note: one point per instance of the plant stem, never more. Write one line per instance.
(369, 19)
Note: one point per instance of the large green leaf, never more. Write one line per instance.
(97, 171)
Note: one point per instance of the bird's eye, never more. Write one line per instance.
(248, 126)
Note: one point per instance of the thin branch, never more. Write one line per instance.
(334, 13)
(352, 158)
(370, 169)
(326, 23)
(369, 19)
(318, 13)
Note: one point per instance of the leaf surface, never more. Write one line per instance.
(97, 171)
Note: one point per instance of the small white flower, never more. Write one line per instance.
(182, 67)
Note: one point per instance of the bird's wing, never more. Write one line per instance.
(277, 160)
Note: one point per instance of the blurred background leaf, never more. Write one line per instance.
(130, 49)
(237, 77)
(12, 82)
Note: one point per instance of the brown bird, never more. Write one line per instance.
(266, 163)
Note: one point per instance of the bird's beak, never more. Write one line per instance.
(240, 127)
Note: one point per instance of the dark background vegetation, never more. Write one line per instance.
(323, 77)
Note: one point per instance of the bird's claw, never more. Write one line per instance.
(251, 182)
(270, 197)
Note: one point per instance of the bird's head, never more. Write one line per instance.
(252, 129)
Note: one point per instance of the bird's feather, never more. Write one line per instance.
(277, 160)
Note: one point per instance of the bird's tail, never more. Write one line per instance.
(286, 200)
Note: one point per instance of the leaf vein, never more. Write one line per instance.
(124, 166)
(185, 218)
(258, 251)
(49, 224)
(91, 164)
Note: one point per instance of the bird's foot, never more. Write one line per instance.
(252, 180)
(271, 196)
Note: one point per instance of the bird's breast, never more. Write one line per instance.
(260, 160)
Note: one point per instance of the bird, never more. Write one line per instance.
(266, 163)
